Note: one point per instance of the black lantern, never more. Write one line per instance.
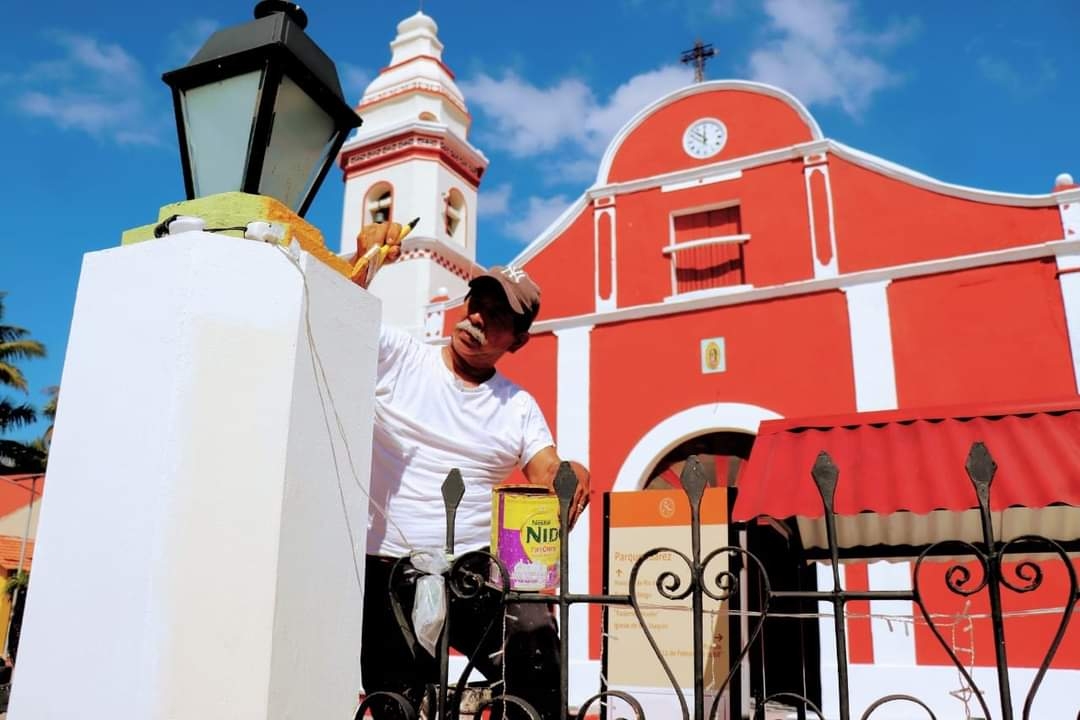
(259, 109)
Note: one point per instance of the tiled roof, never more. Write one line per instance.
(9, 553)
(15, 491)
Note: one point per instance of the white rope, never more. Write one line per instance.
(326, 399)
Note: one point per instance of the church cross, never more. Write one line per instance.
(698, 55)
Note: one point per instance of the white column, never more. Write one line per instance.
(572, 433)
(871, 345)
(894, 642)
(1068, 263)
(830, 684)
(200, 553)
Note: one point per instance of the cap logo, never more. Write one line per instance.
(514, 273)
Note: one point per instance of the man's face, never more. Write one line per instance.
(487, 330)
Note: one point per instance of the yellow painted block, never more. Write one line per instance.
(237, 209)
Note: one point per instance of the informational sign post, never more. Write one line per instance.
(638, 522)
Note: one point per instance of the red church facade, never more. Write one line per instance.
(731, 265)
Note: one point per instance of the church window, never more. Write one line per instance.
(706, 250)
(454, 212)
(379, 204)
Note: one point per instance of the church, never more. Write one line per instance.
(731, 268)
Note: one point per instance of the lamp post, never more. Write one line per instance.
(259, 109)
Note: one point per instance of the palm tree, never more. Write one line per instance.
(15, 345)
(49, 411)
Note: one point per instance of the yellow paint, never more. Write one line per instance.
(234, 209)
(5, 617)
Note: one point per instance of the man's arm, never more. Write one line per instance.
(541, 470)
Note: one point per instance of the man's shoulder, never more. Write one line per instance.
(507, 389)
(395, 340)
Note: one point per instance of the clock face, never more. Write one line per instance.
(704, 138)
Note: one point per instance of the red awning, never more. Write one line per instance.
(902, 478)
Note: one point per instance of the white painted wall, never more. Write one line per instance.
(420, 185)
(871, 345)
(203, 523)
(572, 437)
(1068, 263)
(14, 523)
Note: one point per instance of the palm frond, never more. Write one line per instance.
(21, 350)
(9, 333)
(14, 416)
(49, 408)
(11, 376)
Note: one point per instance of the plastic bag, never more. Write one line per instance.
(429, 606)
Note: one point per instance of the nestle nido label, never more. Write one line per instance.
(525, 536)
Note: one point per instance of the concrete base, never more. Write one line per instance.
(200, 553)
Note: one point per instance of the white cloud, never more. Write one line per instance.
(92, 87)
(820, 54)
(603, 121)
(580, 170)
(88, 113)
(528, 120)
(539, 213)
(101, 61)
(495, 201)
(1022, 83)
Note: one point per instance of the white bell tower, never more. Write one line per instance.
(411, 158)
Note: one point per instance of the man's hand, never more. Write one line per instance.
(542, 470)
(581, 492)
(377, 235)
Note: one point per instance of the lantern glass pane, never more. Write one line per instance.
(218, 120)
(302, 135)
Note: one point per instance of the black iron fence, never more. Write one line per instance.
(722, 575)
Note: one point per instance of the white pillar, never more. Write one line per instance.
(200, 553)
(894, 642)
(1068, 263)
(871, 345)
(572, 433)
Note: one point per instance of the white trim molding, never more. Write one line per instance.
(572, 431)
(696, 89)
(816, 285)
(1068, 263)
(611, 302)
(871, 345)
(698, 182)
(675, 247)
(712, 417)
(830, 268)
(771, 157)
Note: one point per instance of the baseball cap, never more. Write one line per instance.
(522, 293)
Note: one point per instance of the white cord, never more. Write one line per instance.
(322, 387)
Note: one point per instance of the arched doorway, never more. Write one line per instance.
(721, 453)
(786, 655)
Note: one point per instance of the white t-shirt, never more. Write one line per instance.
(428, 422)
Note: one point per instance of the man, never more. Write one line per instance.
(438, 408)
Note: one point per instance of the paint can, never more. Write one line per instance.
(526, 537)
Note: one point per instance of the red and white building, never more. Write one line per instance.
(732, 265)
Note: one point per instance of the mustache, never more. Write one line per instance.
(476, 333)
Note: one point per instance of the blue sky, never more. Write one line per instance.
(977, 93)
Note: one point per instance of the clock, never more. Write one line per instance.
(704, 138)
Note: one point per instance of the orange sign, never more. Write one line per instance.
(640, 521)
